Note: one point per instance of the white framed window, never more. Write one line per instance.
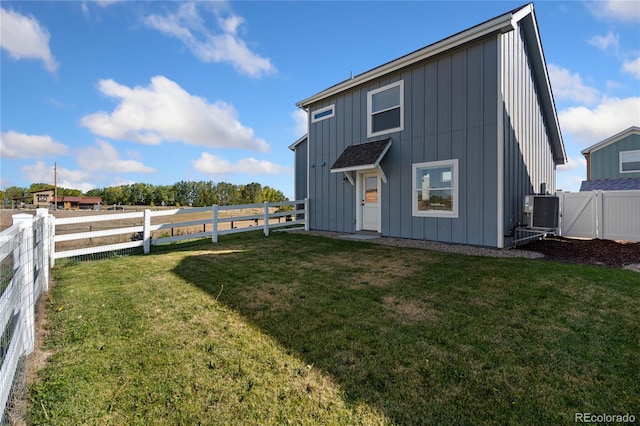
(435, 189)
(630, 161)
(323, 113)
(385, 109)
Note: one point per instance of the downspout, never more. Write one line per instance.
(500, 148)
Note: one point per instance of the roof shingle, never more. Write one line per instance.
(365, 154)
(619, 184)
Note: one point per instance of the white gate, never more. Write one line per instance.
(608, 215)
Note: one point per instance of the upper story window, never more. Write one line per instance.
(630, 161)
(385, 109)
(435, 189)
(323, 113)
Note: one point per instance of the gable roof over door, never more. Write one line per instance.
(523, 18)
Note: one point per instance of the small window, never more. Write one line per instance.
(385, 109)
(435, 189)
(322, 113)
(630, 162)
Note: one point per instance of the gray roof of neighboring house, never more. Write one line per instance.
(618, 184)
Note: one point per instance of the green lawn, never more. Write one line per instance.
(295, 329)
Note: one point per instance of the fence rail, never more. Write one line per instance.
(222, 220)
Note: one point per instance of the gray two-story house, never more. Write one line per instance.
(441, 144)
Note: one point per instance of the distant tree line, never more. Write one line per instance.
(183, 193)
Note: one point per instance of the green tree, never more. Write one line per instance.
(16, 192)
(251, 193)
(185, 192)
(227, 193)
(271, 195)
(94, 192)
(39, 187)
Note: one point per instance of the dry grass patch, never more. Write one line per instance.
(406, 311)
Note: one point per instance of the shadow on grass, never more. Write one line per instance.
(430, 338)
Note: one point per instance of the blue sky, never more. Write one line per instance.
(157, 92)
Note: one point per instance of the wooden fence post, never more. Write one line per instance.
(146, 231)
(25, 267)
(266, 219)
(214, 230)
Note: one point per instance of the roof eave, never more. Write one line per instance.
(293, 146)
(500, 24)
(612, 139)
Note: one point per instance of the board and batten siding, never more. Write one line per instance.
(451, 106)
(528, 159)
(605, 162)
(300, 168)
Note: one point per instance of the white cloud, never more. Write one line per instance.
(20, 145)
(23, 37)
(632, 67)
(569, 181)
(573, 163)
(72, 179)
(300, 118)
(619, 10)
(611, 116)
(188, 26)
(210, 164)
(569, 86)
(105, 157)
(603, 43)
(164, 111)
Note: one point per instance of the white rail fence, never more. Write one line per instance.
(607, 215)
(221, 220)
(25, 252)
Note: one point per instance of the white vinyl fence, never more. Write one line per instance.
(607, 215)
(272, 215)
(27, 253)
(25, 250)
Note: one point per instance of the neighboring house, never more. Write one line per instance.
(441, 144)
(43, 197)
(614, 163)
(77, 203)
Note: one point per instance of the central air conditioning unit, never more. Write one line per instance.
(541, 212)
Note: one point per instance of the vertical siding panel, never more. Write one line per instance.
(528, 157)
(418, 98)
(444, 95)
(490, 138)
(340, 135)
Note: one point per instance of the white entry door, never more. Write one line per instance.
(370, 194)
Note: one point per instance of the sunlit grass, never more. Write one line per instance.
(306, 330)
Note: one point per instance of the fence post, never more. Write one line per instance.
(46, 246)
(52, 240)
(306, 214)
(266, 219)
(214, 220)
(25, 272)
(599, 213)
(146, 231)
